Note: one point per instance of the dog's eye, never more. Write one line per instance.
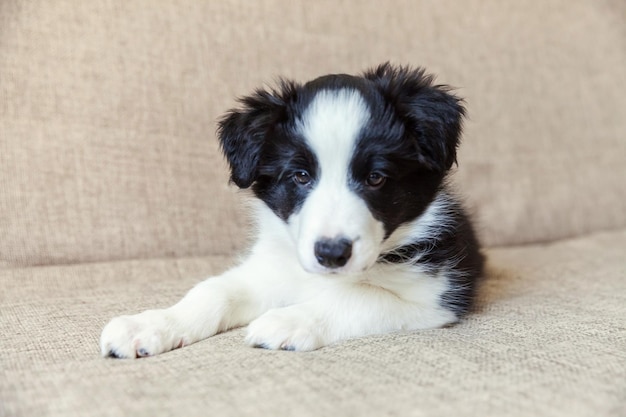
(302, 178)
(375, 180)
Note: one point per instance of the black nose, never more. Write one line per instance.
(333, 253)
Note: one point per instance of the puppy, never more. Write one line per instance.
(358, 233)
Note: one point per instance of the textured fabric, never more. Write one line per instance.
(108, 152)
(547, 339)
(108, 110)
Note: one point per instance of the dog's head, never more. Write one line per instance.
(344, 160)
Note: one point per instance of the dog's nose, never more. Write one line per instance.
(333, 253)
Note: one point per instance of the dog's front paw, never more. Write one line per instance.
(145, 334)
(287, 328)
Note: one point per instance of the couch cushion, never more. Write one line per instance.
(547, 338)
(107, 113)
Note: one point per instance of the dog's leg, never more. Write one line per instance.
(347, 311)
(217, 304)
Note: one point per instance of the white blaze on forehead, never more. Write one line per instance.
(331, 125)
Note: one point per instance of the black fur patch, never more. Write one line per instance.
(411, 138)
(452, 250)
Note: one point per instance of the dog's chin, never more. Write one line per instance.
(351, 268)
(322, 270)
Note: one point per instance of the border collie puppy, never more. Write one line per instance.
(357, 231)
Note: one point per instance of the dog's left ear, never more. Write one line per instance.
(242, 132)
(429, 111)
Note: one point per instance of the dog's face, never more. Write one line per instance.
(344, 161)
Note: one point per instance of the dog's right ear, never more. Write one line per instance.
(242, 132)
(430, 112)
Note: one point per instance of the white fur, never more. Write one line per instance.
(280, 291)
(287, 307)
(331, 125)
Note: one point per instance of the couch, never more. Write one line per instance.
(114, 198)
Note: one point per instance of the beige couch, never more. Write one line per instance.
(114, 198)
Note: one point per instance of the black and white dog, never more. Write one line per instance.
(357, 231)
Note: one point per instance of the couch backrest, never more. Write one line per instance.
(108, 110)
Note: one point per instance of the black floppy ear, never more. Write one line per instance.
(429, 111)
(242, 132)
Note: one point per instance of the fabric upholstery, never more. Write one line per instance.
(114, 198)
(545, 340)
(108, 111)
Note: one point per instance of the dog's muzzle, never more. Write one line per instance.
(333, 253)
